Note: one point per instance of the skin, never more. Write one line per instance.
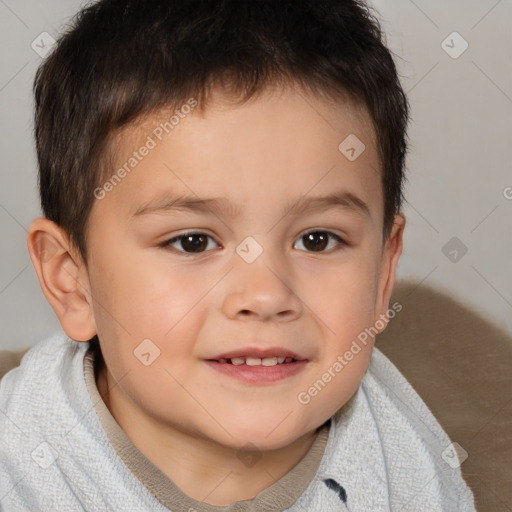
(188, 419)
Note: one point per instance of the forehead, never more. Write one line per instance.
(284, 143)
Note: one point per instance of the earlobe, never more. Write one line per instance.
(63, 278)
(390, 257)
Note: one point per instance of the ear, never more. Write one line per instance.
(390, 255)
(63, 278)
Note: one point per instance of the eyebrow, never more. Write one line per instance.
(220, 206)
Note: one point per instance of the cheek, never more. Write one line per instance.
(343, 298)
(145, 298)
(145, 302)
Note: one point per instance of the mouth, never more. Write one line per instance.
(256, 361)
(258, 366)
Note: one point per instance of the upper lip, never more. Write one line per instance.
(258, 353)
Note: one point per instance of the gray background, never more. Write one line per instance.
(459, 167)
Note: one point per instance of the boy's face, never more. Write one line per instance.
(253, 281)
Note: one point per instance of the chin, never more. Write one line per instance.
(264, 438)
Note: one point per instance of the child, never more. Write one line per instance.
(222, 183)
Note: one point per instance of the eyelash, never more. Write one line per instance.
(167, 244)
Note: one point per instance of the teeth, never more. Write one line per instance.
(253, 361)
(256, 361)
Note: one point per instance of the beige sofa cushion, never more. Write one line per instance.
(461, 365)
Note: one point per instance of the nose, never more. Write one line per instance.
(262, 290)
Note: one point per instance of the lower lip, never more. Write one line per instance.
(258, 374)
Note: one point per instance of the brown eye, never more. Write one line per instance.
(317, 241)
(189, 243)
(194, 243)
